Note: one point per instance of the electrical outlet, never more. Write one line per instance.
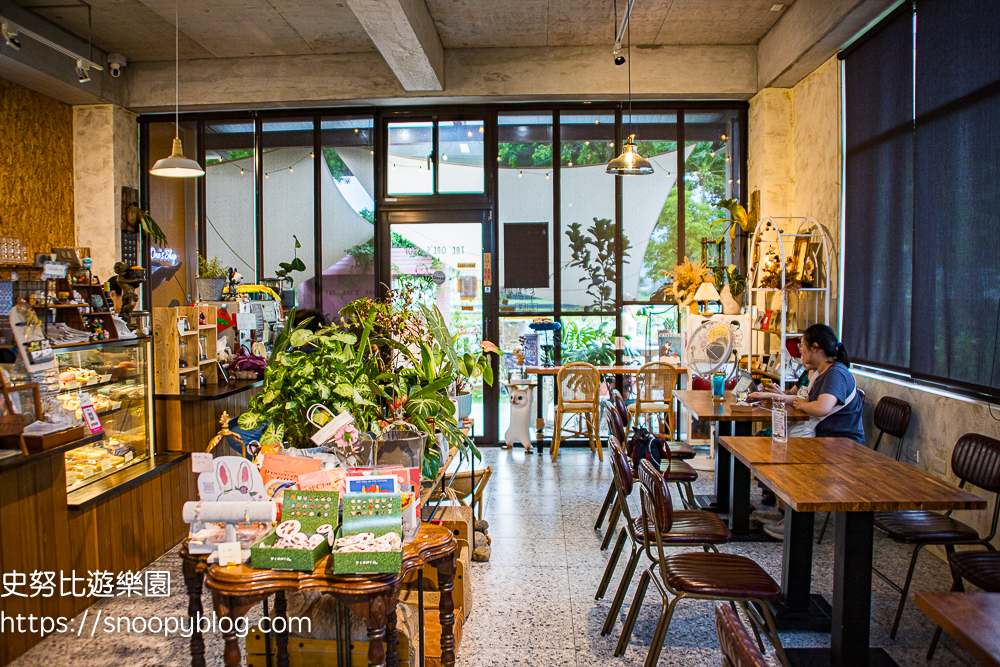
(917, 452)
(939, 466)
(912, 454)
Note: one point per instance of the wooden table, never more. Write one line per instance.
(237, 588)
(855, 489)
(798, 609)
(553, 371)
(701, 406)
(972, 619)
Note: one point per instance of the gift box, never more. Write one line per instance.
(375, 513)
(311, 509)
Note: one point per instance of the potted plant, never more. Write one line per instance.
(284, 276)
(211, 279)
(735, 286)
(467, 366)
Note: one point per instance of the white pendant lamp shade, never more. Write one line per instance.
(177, 165)
(630, 163)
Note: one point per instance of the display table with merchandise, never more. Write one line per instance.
(238, 588)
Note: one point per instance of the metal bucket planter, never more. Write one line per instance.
(210, 289)
(400, 447)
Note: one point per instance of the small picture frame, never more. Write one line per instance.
(799, 254)
(182, 325)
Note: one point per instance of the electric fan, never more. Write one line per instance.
(710, 348)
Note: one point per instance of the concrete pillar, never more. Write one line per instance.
(770, 160)
(105, 159)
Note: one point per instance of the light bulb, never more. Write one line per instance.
(372, 152)
(724, 137)
(520, 174)
(611, 143)
(470, 133)
(266, 176)
(312, 156)
(356, 130)
(597, 122)
(444, 157)
(481, 129)
(586, 143)
(289, 170)
(241, 172)
(570, 164)
(546, 177)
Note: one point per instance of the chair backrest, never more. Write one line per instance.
(892, 416)
(657, 508)
(976, 460)
(654, 383)
(621, 407)
(615, 426)
(621, 468)
(579, 383)
(738, 648)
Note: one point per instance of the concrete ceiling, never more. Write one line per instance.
(142, 30)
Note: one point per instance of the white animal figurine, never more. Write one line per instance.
(520, 416)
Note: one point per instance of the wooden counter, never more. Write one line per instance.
(186, 422)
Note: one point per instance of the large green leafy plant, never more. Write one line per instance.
(593, 250)
(333, 367)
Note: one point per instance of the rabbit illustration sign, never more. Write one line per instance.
(520, 416)
(234, 479)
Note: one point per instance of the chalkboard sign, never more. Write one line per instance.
(526, 254)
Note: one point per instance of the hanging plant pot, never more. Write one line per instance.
(210, 289)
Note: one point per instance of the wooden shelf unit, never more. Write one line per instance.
(172, 347)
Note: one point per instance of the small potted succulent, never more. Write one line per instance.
(211, 279)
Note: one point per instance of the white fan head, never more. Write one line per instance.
(709, 348)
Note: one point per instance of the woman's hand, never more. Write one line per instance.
(757, 395)
(799, 404)
(772, 388)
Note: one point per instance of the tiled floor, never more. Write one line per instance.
(534, 601)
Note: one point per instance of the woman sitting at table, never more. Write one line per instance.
(832, 402)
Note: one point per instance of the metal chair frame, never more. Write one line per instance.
(759, 613)
(949, 546)
(635, 540)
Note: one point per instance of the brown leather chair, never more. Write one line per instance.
(612, 419)
(892, 416)
(690, 528)
(676, 470)
(706, 575)
(975, 460)
(678, 450)
(980, 568)
(738, 649)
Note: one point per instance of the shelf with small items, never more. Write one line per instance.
(788, 334)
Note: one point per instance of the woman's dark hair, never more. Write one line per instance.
(823, 336)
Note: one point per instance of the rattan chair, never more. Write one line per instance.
(654, 394)
(579, 386)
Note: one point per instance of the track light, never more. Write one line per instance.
(81, 71)
(9, 33)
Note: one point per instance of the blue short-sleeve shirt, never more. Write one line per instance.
(846, 422)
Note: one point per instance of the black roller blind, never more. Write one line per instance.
(878, 241)
(956, 268)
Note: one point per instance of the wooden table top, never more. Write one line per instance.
(699, 402)
(972, 619)
(874, 484)
(753, 450)
(603, 370)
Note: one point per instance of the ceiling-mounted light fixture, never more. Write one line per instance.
(12, 32)
(81, 71)
(629, 163)
(177, 165)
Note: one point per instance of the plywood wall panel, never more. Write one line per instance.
(36, 168)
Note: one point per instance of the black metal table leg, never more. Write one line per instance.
(719, 503)
(850, 634)
(798, 609)
(739, 506)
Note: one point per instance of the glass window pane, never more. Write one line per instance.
(461, 145)
(409, 168)
(650, 334)
(173, 203)
(444, 262)
(590, 338)
(229, 196)
(524, 185)
(587, 262)
(709, 176)
(348, 188)
(649, 208)
(288, 206)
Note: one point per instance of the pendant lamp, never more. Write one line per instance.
(629, 163)
(177, 165)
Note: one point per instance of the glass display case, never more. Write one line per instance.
(117, 378)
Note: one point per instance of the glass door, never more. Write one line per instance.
(445, 256)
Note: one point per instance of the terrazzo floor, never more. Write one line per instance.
(534, 601)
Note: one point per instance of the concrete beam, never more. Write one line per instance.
(473, 75)
(808, 34)
(405, 34)
(46, 71)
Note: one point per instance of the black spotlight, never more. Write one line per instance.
(619, 60)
